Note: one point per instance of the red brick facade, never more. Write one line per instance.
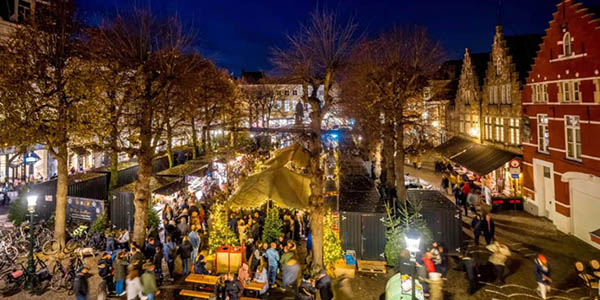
(564, 84)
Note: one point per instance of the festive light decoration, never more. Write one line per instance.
(272, 230)
(220, 234)
(332, 245)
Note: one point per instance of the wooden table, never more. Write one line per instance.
(202, 279)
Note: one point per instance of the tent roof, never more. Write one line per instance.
(299, 156)
(285, 187)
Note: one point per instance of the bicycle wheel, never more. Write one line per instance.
(72, 245)
(12, 253)
(51, 247)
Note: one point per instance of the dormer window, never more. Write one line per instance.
(567, 49)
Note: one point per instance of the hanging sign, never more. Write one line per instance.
(30, 158)
(84, 209)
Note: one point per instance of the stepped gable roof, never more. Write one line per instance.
(523, 49)
(449, 71)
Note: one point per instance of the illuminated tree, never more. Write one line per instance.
(220, 234)
(332, 245)
(272, 228)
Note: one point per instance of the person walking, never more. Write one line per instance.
(469, 266)
(289, 273)
(542, 276)
(80, 286)
(185, 252)
(465, 191)
(195, 240)
(157, 261)
(476, 227)
(324, 286)
(120, 267)
(149, 287)
(489, 229)
(500, 254)
(134, 285)
(169, 253)
(272, 256)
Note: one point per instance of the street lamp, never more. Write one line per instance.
(31, 202)
(413, 241)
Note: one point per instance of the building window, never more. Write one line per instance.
(515, 133)
(498, 66)
(287, 93)
(499, 129)
(543, 134)
(286, 105)
(488, 128)
(508, 94)
(462, 123)
(573, 137)
(569, 91)
(502, 94)
(545, 92)
(468, 123)
(495, 94)
(295, 92)
(547, 173)
(597, 90)
(567, 49)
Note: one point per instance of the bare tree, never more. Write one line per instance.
(43, 99)
(393, 69)
(316, 55)
(150, 51)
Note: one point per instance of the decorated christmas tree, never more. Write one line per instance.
(220, 234)
(272, 229)
(332, 246)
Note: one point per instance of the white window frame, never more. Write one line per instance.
(488, 128)
(545, 92)
(508, 93)
(573, 147)
(566, 91)
(499, 129)
(515, 133)
(502, 94)
(542, 127)
(576, 91)
(567, 47)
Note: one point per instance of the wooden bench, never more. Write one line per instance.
(195, 294)
(249, 298)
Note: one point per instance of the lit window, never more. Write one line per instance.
(567, 49)
(573, 137)
(500, 129)
(489, 132)
(543, 134)
(462, 123)
(576, 91)
(545, 92)
(514, 131)
(502, 94)
(566, 92)
(597, 90)
(508, 92)
(534, 93)
(286, 105)
(498, 66)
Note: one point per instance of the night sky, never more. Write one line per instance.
(238, 34)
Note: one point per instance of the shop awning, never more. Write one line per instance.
(482, 159)
(454, 146)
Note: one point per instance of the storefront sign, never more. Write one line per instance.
(30, 158)
(84, 209)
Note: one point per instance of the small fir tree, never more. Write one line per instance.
(17, 212)
(220, 234)
(272, 230)
(408, 217)
(332, 245)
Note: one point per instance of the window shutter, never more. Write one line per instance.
(560, 91)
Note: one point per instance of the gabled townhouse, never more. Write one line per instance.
(562, 101)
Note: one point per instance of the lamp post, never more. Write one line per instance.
(413, 242)
(31, 202)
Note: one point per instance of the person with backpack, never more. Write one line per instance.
(542, 276)
(106, 271)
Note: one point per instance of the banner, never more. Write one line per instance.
(84, 209)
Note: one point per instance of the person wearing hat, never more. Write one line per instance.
(542, 276)
(324, 286)
(149, 287)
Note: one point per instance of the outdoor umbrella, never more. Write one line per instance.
(285, 187)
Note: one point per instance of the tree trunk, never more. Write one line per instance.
(142, 199)
(170, 144)
(388, 153)
(62, 186)
(194, 139)
(316, 200)
(204, 133)
(399, 163)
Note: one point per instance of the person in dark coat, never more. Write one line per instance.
(185, 252)
(306, 290)
(542, 276)
(157, 262)
(200, 265)
(324, 286)
(233, 288)
(469, 266)
(149, 248)
(80, 286)
(476, 227)
(489, 229)
(105, 270)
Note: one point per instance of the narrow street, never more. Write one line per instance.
(526, 236)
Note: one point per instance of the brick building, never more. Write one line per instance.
(561, 100)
